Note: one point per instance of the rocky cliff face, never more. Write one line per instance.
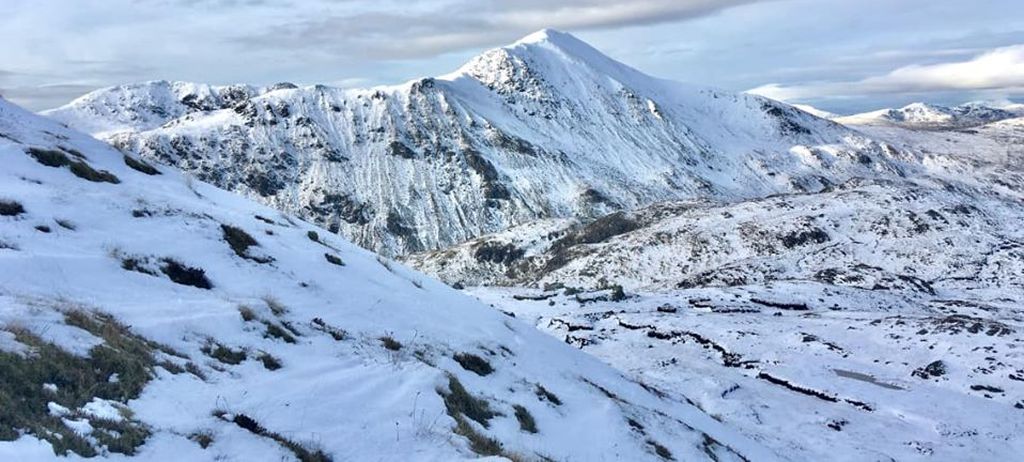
(547, 127)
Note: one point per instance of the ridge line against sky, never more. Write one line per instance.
(841, 55)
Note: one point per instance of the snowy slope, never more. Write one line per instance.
(240, 333)
(932, 117)
(855, 375)
(993, 145)
(874, 321)
(886, 312)
(547, 127)
(864, 234)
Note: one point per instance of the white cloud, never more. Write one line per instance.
(1001, 69)
(786, 93)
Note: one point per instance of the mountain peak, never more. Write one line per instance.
(551, 36)
(919, 106)
(567, 45)
(547, 52)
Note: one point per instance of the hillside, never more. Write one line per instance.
(991, 146)
(544, 128)
(887, 311)
(812, 370)
(888, 230)
(144, 313)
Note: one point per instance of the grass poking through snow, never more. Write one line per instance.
(57, 159)
(390, 343)
(458, 401)
(224, 354)
(185, 275)
(140, 165)
(116, 370)
(473, 363)
(240, 242)
(302, 451)
(9, 208)
(526, 422)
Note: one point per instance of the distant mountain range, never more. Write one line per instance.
(935, 117)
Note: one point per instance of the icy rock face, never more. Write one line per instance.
(547, 127)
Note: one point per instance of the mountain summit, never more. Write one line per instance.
(545, 127)
(569, 47)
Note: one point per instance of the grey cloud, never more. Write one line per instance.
(214, 3)
(469, 24)
(46, 90)
(46, 96)
(6, 75)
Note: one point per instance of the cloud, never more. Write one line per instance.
(351, 82)
(788, 93)
(45, 96)
(463, 24)
(7, 74)
(587, 14)
(1000, 69)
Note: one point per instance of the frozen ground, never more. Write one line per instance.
(814, 372)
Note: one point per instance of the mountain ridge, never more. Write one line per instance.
(933, 116)
(547, 127)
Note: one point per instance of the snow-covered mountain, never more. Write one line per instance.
(912, 236)
(923, 116)
(545, 128)
(146, 106)
(979, 148)
(144, 313)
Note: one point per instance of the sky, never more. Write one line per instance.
(843, 56)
